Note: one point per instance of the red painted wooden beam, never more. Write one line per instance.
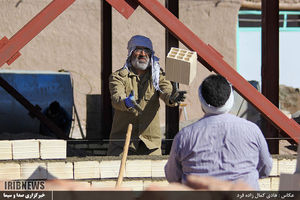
(10, 50)
(124, 7)
(211, 59)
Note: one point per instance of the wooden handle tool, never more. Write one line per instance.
(124, 157)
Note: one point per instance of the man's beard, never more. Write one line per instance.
(136, 63)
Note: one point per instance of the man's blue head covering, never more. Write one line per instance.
(139, 40)
(142, 41)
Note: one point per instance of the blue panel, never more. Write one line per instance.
(39, 88)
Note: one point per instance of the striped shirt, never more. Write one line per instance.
(223, 146)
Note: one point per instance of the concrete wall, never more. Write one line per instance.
(72, 42)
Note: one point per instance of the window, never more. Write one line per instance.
(249, 46)
(250, 18)
(293, 20)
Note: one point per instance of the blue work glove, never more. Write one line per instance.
(130, 100)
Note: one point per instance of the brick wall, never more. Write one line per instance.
(100, 171)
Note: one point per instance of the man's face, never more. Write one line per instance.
(140, 58)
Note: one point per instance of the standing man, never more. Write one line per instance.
(220, 144)
(135, 90)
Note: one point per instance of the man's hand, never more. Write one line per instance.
(215, 184)
(130, 101)
(177, 97)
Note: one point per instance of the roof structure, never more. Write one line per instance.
(283, 4)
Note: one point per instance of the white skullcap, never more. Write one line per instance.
(209, 109)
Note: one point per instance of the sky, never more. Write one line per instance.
(249, 57)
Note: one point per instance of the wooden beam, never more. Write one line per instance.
(270, 65)
(172, 113)
(106, 67)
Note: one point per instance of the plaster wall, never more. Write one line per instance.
(72, 42)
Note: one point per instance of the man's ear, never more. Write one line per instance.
(202, 109)
(130, 57)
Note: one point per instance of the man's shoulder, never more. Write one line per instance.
(121, 72)
(193, 127)
(244, 122)
(229, 119)
(190, 133)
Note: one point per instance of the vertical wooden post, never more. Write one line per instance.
(172, 113)
(124, 156)
(106, 66)
(270, 65)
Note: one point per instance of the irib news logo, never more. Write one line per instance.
(24, 185)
